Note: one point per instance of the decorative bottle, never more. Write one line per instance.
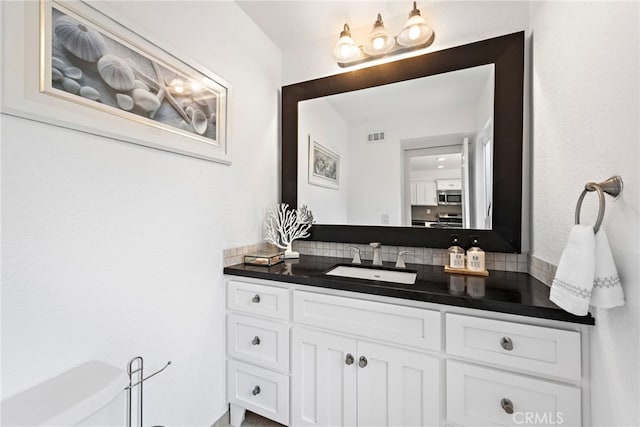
(456, 254)
(475, 256)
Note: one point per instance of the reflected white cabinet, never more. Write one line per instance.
(339, 381)
(423, 193)
(449, 184)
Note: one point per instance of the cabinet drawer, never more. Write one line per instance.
(258, 390)
(389, 322)
(483, 397)
(258, 341)
(533, 348)
(258, 299)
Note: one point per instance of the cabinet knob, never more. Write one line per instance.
(362, 362)
(256, 340)
(256, 299)
(506, 343)
(256, 390)
(507, 405)
(349, 359)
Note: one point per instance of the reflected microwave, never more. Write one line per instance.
(450, 197)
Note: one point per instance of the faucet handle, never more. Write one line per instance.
(400, 262)
(356, 256)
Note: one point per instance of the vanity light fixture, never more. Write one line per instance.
(416, 34)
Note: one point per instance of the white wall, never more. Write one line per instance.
(586, 115)
(376, 173)
(112, 250)
(318, 119)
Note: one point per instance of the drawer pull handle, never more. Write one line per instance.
(255, 341)
(256, 390)
(362, 362)
(349, 359)
(256, 299)
(507, 405)
(506, 343)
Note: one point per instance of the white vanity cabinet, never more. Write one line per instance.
(328, 357)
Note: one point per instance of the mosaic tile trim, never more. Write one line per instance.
(523, 263)
(429, 256)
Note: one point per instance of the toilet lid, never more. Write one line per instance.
(66, 399)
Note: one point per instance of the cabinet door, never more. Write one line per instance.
(323, 384)
(397, 387)
(430, 193)
(423, 193)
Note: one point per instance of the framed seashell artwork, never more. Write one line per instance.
(95, 75)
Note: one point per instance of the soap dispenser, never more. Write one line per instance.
(475, 256)
(456, 253)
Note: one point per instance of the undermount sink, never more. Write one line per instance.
(394, 276)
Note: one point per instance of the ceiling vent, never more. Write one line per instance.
(376, 136)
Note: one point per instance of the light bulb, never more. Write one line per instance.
(378, 43)
(195, 86)
(345, 49)
(414, 32)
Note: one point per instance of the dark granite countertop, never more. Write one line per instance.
(502, 291)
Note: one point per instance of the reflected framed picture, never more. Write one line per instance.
(82, 68)
(324, 166)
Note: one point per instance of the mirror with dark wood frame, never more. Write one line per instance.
(506, 54)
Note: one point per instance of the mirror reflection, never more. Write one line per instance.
(416, 153)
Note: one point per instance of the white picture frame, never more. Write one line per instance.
(29, 90)
(324, 166)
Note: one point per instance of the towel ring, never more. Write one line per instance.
(612, 186)
(592, 186)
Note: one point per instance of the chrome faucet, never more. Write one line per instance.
(356, 255)
(377, 253)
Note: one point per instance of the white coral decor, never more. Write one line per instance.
(283, 225)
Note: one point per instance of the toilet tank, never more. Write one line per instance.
(91, 394)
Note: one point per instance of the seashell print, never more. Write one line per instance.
(199, 122)
(70, 85)
(139, 84)
(145, 100)
(56, 75)
(116, 73)
(124, 101)
(83, 42)
(74, 73)
(89, 93)
(58, 63)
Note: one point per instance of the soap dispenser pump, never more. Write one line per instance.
(475, 256)
(456, 253)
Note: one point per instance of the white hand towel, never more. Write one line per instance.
(571, 288)
(607, 289)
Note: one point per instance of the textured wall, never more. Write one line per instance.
(112, 250)
(585, 127)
